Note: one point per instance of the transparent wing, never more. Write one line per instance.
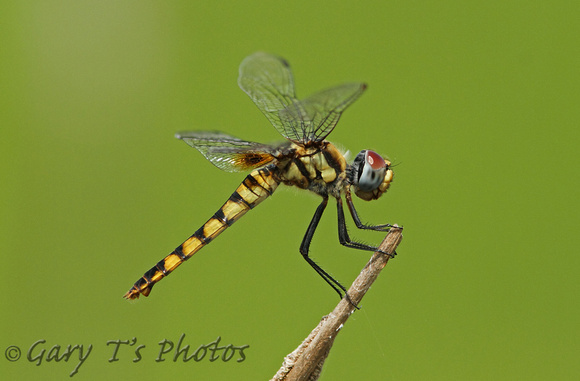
(316, 116)
(227, 152)
(268, 81)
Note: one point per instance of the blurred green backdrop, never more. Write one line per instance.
(476, 103)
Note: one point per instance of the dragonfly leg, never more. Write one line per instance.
(305, 246)
(357, 221)
(343, 236)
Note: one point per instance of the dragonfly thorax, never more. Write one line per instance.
(320, 168)
(370, 174)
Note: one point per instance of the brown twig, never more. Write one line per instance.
(306, 361)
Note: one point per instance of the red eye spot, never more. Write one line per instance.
(375, 160)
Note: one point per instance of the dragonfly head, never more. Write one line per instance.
(370, 175)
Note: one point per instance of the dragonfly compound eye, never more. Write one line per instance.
(371, 172)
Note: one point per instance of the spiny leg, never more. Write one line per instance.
(343, 233)
(304, 248)
(360, 225)
(357, 221)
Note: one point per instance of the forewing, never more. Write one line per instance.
(316, 116)
(227, 152)
(268, 81)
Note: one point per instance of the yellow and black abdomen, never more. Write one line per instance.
(256, 187)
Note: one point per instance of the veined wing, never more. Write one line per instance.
(227, 152)
(316, 116)
(268, 81)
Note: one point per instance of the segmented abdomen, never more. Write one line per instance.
(256, 187)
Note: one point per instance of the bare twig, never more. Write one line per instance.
(306, 362)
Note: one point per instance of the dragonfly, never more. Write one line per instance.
(306, 160)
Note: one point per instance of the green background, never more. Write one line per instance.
(475, 102)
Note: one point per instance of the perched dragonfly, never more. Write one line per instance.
(306, 161)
